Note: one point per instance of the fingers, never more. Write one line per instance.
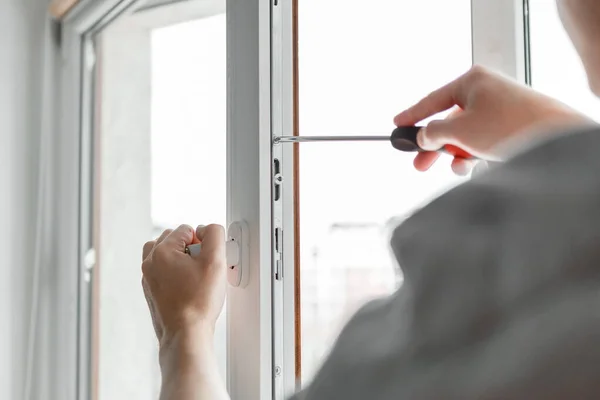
(164, 235)
(433, 136)
(179, 238)
(210, 234)
(424, 161)
(437, 101)
(442, 132)
(200, 232)
(149, 246)
(212, 238)
(462, 167)
(176, 239)
(148, 249)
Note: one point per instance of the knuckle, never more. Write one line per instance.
(216, 228)
(478, 81)
(161, 253)
(163, 235)
(148, 247)
(185, 228)
(476, 75)
(433, 130)
(477, 72)
(214, 233)
(146, 267)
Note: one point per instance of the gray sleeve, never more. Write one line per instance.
(357, 334)
(299, 396)
(501, 291)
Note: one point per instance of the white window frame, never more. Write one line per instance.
(500, 37)
(260, 106)
(250, 363)
(74, 191)
(283, 208)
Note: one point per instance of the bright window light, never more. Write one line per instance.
(188, 157)
(358, 67)
(556, 69)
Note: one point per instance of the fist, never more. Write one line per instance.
(184, 291)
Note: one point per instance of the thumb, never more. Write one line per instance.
(213, 239)
(439, 133)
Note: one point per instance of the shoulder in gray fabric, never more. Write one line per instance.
(501, 298)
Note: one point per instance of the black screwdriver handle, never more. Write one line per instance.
(404, 138)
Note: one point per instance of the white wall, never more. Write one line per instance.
(21, 48)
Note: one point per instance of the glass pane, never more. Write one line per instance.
(556, 69)
(160, 162)
(189, 122)
(189, 108)
(359, 65)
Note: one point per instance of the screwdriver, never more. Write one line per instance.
(403, 138)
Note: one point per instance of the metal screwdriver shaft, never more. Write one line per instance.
(301, 139)
(403, 138)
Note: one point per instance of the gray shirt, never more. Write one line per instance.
(501, 293)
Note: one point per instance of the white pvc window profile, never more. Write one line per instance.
(74, 194)
(282, 78)
(500, 37)
(250, 184)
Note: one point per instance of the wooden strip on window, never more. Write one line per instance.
(297, 276)
(60, 8)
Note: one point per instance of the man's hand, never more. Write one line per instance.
(182, 291)
(488, 110)
(185, 296)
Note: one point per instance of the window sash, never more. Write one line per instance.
(250, 330)
(499, 40)
(284, 118)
